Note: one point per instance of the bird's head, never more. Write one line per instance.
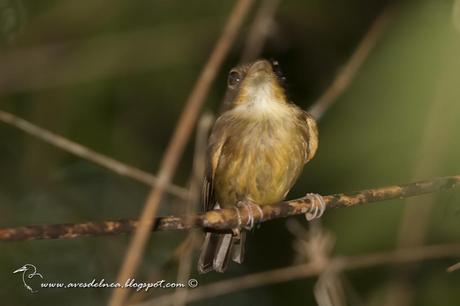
(257, 86)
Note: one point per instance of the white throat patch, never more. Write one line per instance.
(261, 101)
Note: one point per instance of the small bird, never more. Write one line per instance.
(256, 152)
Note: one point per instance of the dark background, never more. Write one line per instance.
(114, 75)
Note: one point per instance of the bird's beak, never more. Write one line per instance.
(260, 73)
(261, 66)
(21, 269)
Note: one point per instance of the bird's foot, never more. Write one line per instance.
(318, 206)
(250, 208)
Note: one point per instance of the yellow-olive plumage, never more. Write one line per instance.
(257, 150)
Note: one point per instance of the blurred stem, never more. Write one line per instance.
(87, 153)
(313, 269)
(177, 145)
(199, 166)
(351, 67)
(260, 30)
(436, 139)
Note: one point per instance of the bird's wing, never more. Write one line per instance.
(216, 143)
(209, 200)
(310, 136)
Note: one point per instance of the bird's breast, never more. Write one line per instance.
(260, 160)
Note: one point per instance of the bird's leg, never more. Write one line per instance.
(318, 206)
(238, 216)
(250, 206)
(239, 233)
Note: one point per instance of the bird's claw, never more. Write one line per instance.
(249, 206)
(318, 206)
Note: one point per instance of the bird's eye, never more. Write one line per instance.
(277, 70)
(234, 78)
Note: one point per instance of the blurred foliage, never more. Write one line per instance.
(114, 75)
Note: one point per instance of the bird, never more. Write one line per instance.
(256, 151)
(32, 272)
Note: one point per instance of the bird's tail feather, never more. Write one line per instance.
(217, 250)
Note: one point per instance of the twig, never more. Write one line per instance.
(182, 254)
(346, 75)
(177, 145)
(454, 268)
(199, 165)
(228, 218)
(257, 34)
(259, 31)
(87, 153)
(431, 154)
(68, 62)
(313, 269)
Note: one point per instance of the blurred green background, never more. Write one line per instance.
(114, 75)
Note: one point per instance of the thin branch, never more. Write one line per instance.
(430, 155)
(454, 268)
(224, 219)
(70, 62)
(348, 72)
(182, 254)
(176, 147)
(259, 31)
(312, 269)
(87, 153)
(199, 164)
(257, 34)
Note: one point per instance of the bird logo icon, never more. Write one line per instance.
(28, 272)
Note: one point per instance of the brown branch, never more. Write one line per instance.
(228, 218)
(87, 153)
(348, 72)
(431, 154)
(182, 254)
(454, 268)
(176, 146)
(70, 62)
(259, 31)
(312, 269)
(199, 165)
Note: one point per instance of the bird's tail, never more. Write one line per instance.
(218, 248)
